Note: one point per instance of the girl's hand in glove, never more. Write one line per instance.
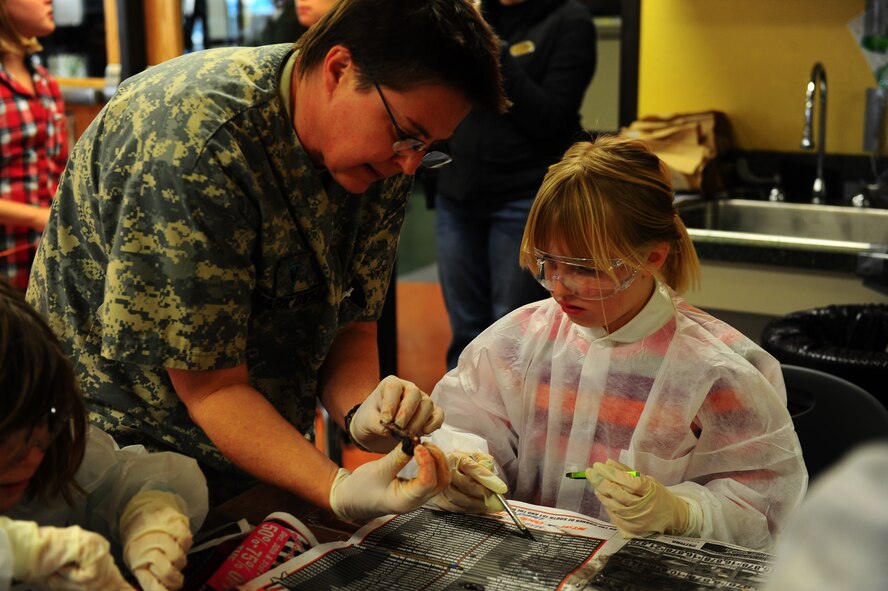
(393, 401)
(638, 505)
(374, 488)
(156, 537)
(64, 558)
(471, 481)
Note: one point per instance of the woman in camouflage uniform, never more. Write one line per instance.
(225, 234)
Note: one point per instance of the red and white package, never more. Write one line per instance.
(276, 540)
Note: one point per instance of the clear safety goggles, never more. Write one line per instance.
(16, 445)
(581, 278)
(434, 156)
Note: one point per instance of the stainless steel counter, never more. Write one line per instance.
(773, 258)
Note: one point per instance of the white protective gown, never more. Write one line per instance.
(110, 477)
(5, 562)
(675, 393)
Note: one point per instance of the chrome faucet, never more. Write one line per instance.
(817, 81)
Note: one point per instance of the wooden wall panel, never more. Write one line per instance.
(163, 30)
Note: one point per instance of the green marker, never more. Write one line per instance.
(582, 474)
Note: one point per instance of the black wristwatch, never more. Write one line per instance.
(348, 420)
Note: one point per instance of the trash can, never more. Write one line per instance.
(849, 341)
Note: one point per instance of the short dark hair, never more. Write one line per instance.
(35, 375)
(406, 43)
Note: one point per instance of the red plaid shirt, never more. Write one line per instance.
(33, 152)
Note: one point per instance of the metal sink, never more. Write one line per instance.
(785, 225)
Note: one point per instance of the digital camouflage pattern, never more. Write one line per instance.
(191, 231)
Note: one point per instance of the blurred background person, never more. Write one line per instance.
(33, 135)
(310, 11)
(283, 26)
(292, 18)
(192, 12)
(548, 54)
(837, 537)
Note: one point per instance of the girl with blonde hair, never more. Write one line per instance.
(678, 420)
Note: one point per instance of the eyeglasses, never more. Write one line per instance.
(584, 281)
(433, 158)
(15, 446)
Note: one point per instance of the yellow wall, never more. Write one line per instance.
(752, 59)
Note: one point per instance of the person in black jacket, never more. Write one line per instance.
(284, 25)
(548, 58)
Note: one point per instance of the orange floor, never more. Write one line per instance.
(423, 335)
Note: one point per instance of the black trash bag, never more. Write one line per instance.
(849, 341)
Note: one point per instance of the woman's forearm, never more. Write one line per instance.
(21, 214)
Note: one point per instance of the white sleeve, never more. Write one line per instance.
(450, 438)
(111, 476)
(5, 561)
(476, 417)
(746, 473)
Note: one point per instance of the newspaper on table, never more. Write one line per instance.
(430, 549)
(671, 563)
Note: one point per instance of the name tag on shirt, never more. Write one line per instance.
(522, 48)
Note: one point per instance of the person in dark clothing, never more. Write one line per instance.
(292, 18)
(548, 52)
(191, 13)
(283, 26)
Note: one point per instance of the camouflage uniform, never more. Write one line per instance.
(191, 231)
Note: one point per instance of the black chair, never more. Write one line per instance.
(831, 415)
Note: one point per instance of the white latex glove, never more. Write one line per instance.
(374, 488)
(638, 505)
(471, 481)
(156, 537)
(393, 400)
(63, 558)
